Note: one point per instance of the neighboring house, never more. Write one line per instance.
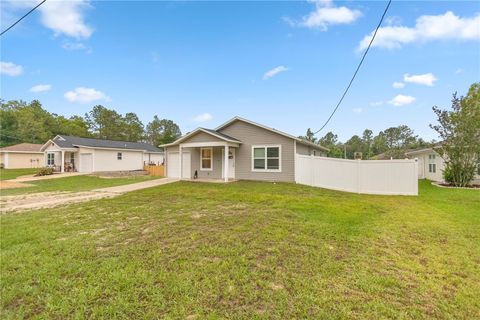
(67, 153)
(431, 164)
(251, 151)
(23, 155)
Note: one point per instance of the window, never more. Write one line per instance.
(119, 156)
(50, 159)
(266, 158)
(206, 155)
(432, 166)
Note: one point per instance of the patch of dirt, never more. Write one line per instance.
(48, 200)
(7, 184)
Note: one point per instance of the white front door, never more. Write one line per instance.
(231, 163)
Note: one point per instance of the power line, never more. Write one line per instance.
(358, 68)
(38, 5)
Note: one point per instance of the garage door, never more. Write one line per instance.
(86, 162)
(173, 165)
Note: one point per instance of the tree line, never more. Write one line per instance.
(30, 122)
(392, 142)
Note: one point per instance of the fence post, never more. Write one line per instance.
(358, 175)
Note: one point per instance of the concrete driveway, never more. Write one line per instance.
(53, 199)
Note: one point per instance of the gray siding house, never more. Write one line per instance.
(251, 151)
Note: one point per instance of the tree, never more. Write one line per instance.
(354, 144)
(162, 131)
(105, 123)
(309, 136)
(459, 130)
(367, 138)
(74, 126)
(330, 141)
(133, 129)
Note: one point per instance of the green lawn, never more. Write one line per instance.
(75, 183)
(6, 174)
(246, 250)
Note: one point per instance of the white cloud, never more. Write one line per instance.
(82, 94)
(402, 100)
(10, 69)
(41, 88)
(376, 103)
(326, 14)
(204, 117)
(72, 46)
(357, 110)
(65, 17)
(398, 85)
(427, 79)
(459, 71)
(427, 28)
(271, 73)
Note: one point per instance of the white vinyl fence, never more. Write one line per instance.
(359, 176)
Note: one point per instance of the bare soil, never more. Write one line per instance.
(8, 184)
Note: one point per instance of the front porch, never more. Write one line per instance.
(62, 160)
(208, 161)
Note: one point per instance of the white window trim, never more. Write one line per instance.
(121, 155)
(279, 146)
(52, 155)
(211, 160)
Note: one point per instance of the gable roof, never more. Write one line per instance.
(299, 140)
(69, 142)
(424, 149)
(211, 132)
(23, 147)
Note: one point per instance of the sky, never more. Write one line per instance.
(284, 64)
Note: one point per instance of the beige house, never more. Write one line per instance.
(68, 153)
(23, 155)
(239, 149)
(431, 165)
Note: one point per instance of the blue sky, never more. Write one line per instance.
(284, 64)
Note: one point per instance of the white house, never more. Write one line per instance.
(23, 155)
(431, 165)
(67, 153)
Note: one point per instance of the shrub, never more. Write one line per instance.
(448, 175)
(45, 171)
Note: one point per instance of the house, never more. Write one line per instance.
(431, 164)
(251, 151)
(23, 155)
(67, 153)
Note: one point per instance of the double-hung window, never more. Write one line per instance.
(119, 156)
(432, 166)
(266, 158)
(50, 159)
(206, 159)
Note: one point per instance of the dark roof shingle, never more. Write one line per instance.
(70, 142)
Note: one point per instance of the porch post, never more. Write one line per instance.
(180, 161)
(225, 164)
(63, 162)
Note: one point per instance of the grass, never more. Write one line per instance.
(75, 183)
(246, 250)
(6, 174)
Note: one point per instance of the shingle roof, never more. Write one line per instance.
(70, 142)
(221, 134)
(23, 147)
